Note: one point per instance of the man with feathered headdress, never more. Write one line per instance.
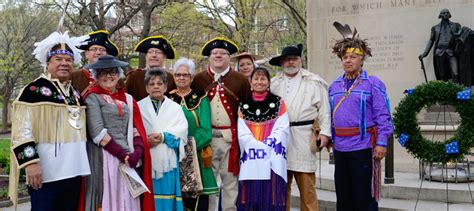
(361, 125)
(48, 129)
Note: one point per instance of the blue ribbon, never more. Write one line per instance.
(452, 148)
(403, 139)
(408, 91)
(464, 95)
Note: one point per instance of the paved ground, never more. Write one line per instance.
(27, 207)
(5, 135)
(21, 207)
(404, 182)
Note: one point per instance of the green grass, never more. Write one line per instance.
(4, 144)
(5, 153)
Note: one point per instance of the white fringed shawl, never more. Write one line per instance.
(170, 119)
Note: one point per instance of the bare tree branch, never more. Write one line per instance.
(300, 20)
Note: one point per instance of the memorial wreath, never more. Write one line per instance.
(408, 131)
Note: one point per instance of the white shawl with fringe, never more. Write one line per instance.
(170, 119)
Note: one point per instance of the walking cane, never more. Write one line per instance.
(320, 179)
(423, 68)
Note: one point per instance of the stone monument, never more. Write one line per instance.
(398, 31)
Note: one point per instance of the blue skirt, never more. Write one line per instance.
(167, 192)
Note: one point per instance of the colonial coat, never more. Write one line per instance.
(135, 84)
(233, 88)
(309, 103)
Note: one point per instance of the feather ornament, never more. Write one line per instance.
(45, 46)
(345, 30)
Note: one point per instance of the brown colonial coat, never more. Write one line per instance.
(82, 80)
(135, 84)
(236, 87)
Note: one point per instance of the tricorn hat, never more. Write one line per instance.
(156, 41)
(219, 42)
(106, 61)
(292, 50)
(101, 37)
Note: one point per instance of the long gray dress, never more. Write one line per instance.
(102, 114)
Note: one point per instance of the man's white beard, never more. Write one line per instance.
(291, 70)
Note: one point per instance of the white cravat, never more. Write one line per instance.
(217, 76)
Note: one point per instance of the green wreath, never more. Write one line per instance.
(425, 95)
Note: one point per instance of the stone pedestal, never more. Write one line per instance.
(452, 172)
(440, 115)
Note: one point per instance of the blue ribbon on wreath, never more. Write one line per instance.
(403, 139)
(409, 91)
(452, 148)
(464, 95)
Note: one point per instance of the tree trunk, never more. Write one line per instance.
(146, 12)
(5, 103)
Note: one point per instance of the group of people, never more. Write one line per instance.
(217, 139)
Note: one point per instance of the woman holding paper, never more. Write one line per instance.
(167, 131)
(117, 138)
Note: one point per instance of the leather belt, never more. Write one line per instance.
(301, 123)
(216, 133)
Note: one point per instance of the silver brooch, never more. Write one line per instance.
(272, 105)
(246, 106)
(257, 112)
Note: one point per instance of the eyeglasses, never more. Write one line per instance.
(222, 53)
(101, 50)
(157, 52)
(183, 75)
(106, 73)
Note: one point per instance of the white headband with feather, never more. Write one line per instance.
(44, 47)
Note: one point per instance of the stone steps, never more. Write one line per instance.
(399, 196)
(327, 202)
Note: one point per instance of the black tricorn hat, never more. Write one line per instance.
(292, 50)
(101, 37)
(219, 42)
(156, 41)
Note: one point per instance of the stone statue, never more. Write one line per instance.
(443, 37)
(465, 50)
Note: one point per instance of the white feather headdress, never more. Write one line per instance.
(44, 47)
